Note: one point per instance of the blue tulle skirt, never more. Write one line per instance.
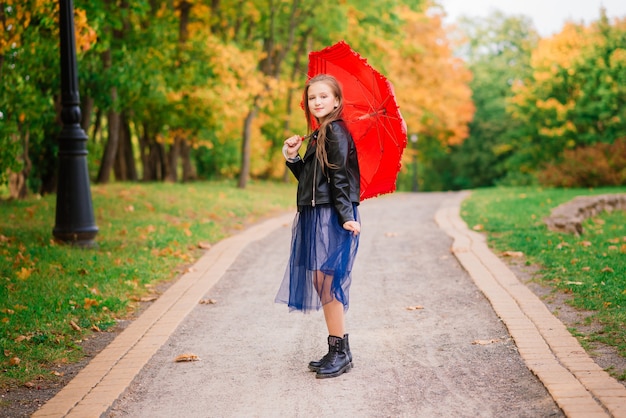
(320, 264)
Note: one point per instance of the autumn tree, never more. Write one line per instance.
(29, 92)
(575, 95)
(432, 86)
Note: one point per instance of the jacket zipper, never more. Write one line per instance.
(314, 181)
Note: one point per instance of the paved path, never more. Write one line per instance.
(477, 347)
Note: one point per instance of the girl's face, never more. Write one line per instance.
(321, 99)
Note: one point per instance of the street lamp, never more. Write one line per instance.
(74, 212)
(414, 138)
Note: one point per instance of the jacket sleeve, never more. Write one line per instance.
(296, 168)
(338, 147)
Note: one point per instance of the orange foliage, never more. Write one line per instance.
(592, 166)
(431, 84)
(17, 17)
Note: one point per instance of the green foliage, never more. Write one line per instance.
(146, 234)
(498, 52)
(590, 269)
(28, 88)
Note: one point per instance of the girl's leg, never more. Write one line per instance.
(333, 309)
(334, 316)
(339, 359)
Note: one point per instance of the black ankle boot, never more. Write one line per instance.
(315, 365)
(336, 361)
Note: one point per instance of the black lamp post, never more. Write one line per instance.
(414, 139)
(75, 222)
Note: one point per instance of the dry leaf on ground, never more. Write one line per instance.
(414, 308)
(186, 357)
(486, 342)
(207, 302)
(513, 254)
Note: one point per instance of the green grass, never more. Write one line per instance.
(590, 268)
(54, 295)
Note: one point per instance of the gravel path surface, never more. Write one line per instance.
(425, 341)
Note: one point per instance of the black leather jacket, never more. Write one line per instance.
(339, 186)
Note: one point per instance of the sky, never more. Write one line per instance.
(548, 16)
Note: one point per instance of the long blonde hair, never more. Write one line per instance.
(320, 151)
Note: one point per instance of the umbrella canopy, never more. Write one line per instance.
(371, 113)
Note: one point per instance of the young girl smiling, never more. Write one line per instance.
(325, 232)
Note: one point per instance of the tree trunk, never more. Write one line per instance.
(85, 114)
(18, 186)
(171, 169)
(245, 148)
(119, 166)
(144, 154)
(97, 126)
(110, 151)
(160, 157)
(125, 155)
(189, 170)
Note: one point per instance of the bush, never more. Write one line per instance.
(596, 165)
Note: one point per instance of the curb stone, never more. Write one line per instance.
(94, 389)
(577, 384)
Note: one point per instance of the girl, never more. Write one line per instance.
(325, 233)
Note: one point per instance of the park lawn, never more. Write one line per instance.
(590, 268)
(53, 295)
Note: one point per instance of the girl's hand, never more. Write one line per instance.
(353, 226)
(292, 145)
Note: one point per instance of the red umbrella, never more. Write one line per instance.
(371, 113)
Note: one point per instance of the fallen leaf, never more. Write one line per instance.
(148, 298)
(29, 385)
(576, 283)
(607, 269)
(585, 243)
(561, 245)
(89, 303)
(586, 268)
(207, 302)
(24, 273)
(15, 361)
(485, 342)
(204, 245)
(74, 325)
(95, 328)
(612, 247)
(513, 254)
(186, 357)
(21, 338)
(414, 308)
(478, 227)
(54, 372)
